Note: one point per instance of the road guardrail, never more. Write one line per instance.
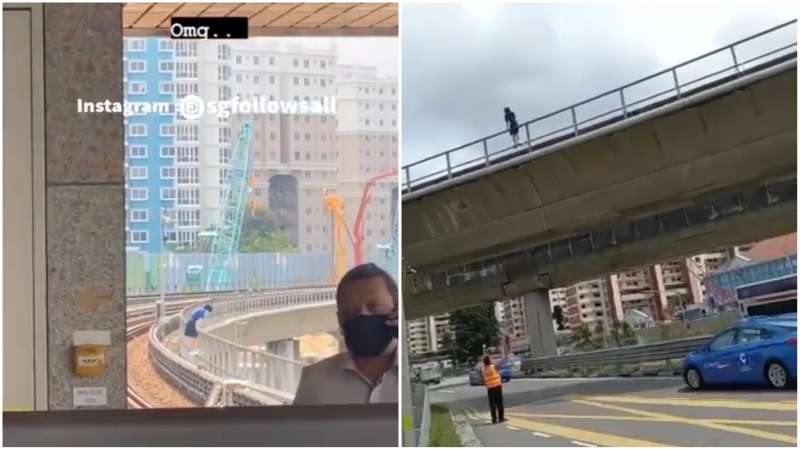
(662, 351)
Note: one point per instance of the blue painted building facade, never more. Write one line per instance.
(149, 145)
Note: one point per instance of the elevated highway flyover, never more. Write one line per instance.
(229, 369)
(703, 163)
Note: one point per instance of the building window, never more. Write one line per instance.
(224, 93)
(137, 173)
(166, 66)
(186, 49)
(167, 151)
(188, 155)
(139, 215)
(168, 194)
(187, 133)
(186, 70)
(138, 194)
(137, 151)
(225, 155)
(166, 45)
(135, 45)
(189, 218)
(167, 173)
(137, 66)
(223, 73)
(137, 87)
(137, 130)
(189, 197)
(139, 237)
(224, 52)
(188, 175)
(167, 130)
(166, 87)
(224, 135)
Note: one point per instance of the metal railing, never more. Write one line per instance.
(595, 113)
(662, 351)
(259, 377)
(279, 375)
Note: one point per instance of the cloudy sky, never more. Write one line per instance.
(461, 64)
(380, 52)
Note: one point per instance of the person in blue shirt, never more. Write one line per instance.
(191, 326)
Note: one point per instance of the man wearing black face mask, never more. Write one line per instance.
(366, 301)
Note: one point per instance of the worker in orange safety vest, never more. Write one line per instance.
(494, 389)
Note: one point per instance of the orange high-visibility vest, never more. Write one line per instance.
(490, 377)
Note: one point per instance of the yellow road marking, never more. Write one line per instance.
(698, 422)
(727, 404)
(775, 423)
(607, 440)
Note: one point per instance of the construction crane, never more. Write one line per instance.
(358, 226)
(335, 204)
(225, 243)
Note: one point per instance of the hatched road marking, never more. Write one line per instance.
(706, 423)
(606, 440)
(702, 403)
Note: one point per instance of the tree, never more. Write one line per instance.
(261, 233)
(623, 334)
(448, 344)
(475, 327)
(583, 338)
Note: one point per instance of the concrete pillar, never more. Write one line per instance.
(285, 374)
(539, 319)
(85, 196)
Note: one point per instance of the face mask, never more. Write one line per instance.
(367, 336)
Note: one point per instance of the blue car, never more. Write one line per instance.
(757, 350)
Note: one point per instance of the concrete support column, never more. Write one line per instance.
(539, 319)
(85, 196)
(286, 374)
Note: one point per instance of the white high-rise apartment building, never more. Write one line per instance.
(295, 157)
(425, 335)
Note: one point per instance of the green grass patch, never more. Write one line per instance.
(443, 432)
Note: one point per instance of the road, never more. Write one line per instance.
(627, 412)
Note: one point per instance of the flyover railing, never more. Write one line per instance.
(261, 377)
(232, 360)
(750, 55)
(639, 354)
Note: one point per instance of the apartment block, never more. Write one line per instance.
(425, 335)
(295, 157)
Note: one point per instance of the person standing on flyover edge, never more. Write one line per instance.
(190, 331)
(366, 302)
(511, 125)
(494, 389)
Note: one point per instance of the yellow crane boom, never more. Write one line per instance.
(334, 203)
